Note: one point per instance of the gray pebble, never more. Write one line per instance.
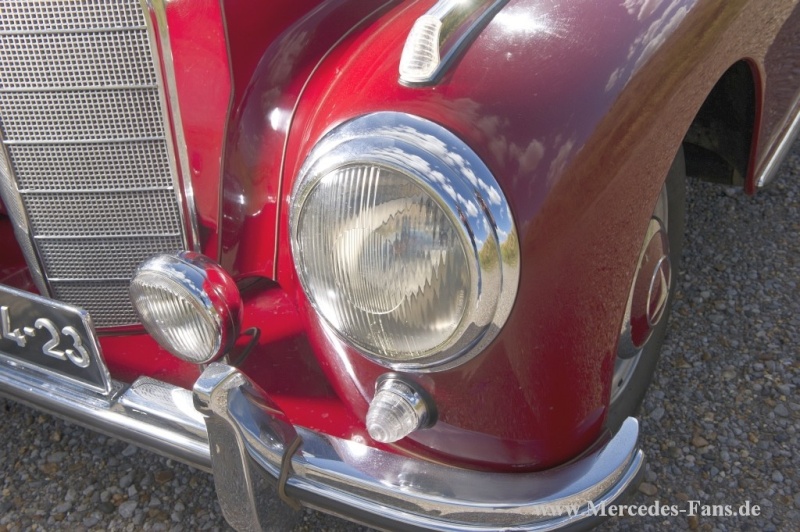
(126, 480)
(129, 451)
(657, 414)
(62, 508)
(127, 508)
(56, 458)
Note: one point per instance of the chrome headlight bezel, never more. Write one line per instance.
(447, 170)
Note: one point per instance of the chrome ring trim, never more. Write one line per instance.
(458, 23)
(180, 161)
(380, 488)
(468, 193)
(781, 149)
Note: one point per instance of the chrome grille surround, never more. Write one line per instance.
(88, 171)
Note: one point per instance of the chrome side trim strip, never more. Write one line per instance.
(149, 413)
(780, 150)
(440, 34)
(250, 441)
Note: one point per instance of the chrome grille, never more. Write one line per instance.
(62, 167)
(86, 146)
(81, 115)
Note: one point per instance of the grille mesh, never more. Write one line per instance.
(81, 115)
(32, 16)
(81, 258)
(100, 298)
(84, 132)
(63, 167)
(103, 214)
(76, 60)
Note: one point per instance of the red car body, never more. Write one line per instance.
(576, 107)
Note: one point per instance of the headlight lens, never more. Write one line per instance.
(386, 264)
(404, 242)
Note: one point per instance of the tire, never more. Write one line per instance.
(633, 374)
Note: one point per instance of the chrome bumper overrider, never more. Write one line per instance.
(255, 450)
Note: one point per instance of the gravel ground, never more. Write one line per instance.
(720, 423)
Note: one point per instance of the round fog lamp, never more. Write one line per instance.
(188, 304)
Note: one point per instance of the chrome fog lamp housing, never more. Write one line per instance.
(404, 242)
(188, 304)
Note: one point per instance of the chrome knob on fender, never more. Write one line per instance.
(188, 304)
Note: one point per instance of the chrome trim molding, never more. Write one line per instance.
(251, 441)
(780, 150)
(153, 414)
(9, 194)
(440, 35)
(453, 175)
(175, 137)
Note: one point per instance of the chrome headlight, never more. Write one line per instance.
(404, 242)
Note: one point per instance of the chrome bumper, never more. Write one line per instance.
(149, 413)
(255, 451)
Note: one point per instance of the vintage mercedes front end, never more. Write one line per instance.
(372, 257)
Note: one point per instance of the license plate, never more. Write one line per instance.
(50, 336)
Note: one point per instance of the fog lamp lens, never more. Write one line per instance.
(398, 409)
(188, 304)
